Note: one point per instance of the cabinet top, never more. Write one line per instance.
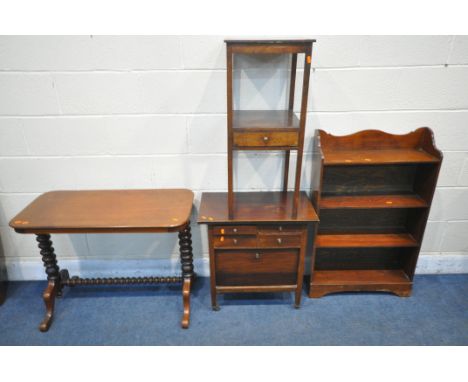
(258, 207)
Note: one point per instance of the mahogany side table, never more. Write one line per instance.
(261, 249)
(108, 211)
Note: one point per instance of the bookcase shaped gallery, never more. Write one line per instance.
(372, 191)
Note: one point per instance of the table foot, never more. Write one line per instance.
(49, 300)
(186, 300)
(216, 308)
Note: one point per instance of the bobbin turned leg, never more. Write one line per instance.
(53, 276)
(186, 259)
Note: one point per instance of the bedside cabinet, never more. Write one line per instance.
(262, 249)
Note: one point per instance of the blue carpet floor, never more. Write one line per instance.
(436, 314)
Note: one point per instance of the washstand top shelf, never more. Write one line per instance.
(270, 46)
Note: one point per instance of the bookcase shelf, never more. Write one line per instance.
(395, 281)
(373, 201)
(372, 191)
(377, 157)
(366, 240)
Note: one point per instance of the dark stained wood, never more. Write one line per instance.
(368, 180)
(268, 129)
(53, 276)
(292, 82)
(374, 140)
(236, 230)
(256, 267)
(393, 281)
(280, 241)
(3, 279)
(268, 49)
(250, 207)
(235, 242)
(292, 87)
(186, 286)
(366, 240)
(262, 248)
(373, 192)
(271, 41)
(284, 229)
(49, 300)
(377, 157)
(255, 289)
(302, 124)
(265, 120)
(374, 147)
(368, 220)
(230, 127)
(265, 141)
(373, 201)
(3, 291)
(362, 258)
(106, 211)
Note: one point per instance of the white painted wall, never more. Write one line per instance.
(92, 112)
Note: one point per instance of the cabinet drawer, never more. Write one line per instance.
(280, 228)
(279, 241)
(267, 139)
(235, 242)
(251, 267)
(235, 230)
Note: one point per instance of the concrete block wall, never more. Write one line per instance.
(96, 112)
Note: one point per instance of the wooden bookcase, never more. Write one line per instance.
(268, 129)
(372, 191)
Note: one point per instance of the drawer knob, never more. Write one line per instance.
(257, 255)
(265, 139)
(234, 241)
(280, 228)
(234, 230)
(279, 240)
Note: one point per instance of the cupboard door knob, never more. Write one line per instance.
(234, 241)
(265, 139)
(257, 255)
(279, 240)
(234, 230)
(280, 228)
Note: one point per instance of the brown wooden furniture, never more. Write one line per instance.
(108, 211)
(372, 191)
(268, 129)
(3, 291)
(262, 249)
(3, 279)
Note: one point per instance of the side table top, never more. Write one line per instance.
(104, 211)
(255, 207)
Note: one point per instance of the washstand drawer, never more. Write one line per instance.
(280, 228)
(266, 139)
(256, 267)
(235, 230)
(279, 241)
(235, 241)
